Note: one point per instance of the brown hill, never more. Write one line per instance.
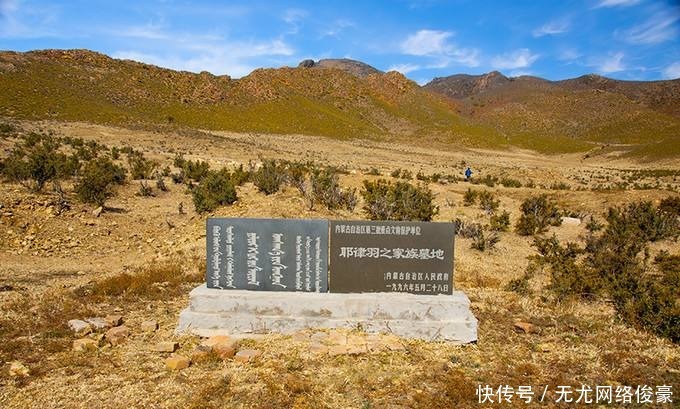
(87, 86)
(589, 108)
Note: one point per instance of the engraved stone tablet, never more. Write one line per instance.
(412, 257)
(267, 254)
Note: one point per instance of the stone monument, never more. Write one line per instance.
(284, 275)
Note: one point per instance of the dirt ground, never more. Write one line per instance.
(44, 255)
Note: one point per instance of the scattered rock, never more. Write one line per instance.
(117, 335)
(318, 348)
(166, 346)
(85, 344)
(201, 353)
(149, 326)
(246, 355)
(16, 368)
(177, 363)
(337, 350)
(96, 212)
(525, 327)
(114, 320)
(98, 323)
(572, 221)
(79, 327)
(221, 345)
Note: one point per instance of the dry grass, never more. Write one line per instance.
(78, 266)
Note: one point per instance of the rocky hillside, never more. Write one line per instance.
(336, 98)
(343, 98)
(589, 109)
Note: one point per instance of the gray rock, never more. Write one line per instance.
(80, 327)
(96, 212)
(98, 323)
(306, 64)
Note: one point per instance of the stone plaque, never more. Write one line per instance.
(413, 257)
(267, 254)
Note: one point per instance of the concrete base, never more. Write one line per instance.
(242, 312)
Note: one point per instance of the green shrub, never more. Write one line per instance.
(216, 189)
(508, 182)
(269, 177)
(384, 200)
(560, 186)
(145, 190)
(488, 180)
(483, 242)
(538, 212)
(649, 223)
(373, 172)
(97, 181)
(500, 222)
(36, 160)
(140, 167)
(395, 173)
(240, 176)
(326, 190)
(613, 264)
(470, 197)
(160, 183)
(670, 205)
(488, 203)
(6, 130)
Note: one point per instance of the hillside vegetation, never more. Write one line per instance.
(348, 99)
(85, 86)
(548, 116)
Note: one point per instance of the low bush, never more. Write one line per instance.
(37, 160)
(327, 191)
(140, 167)
(538, 212)
(214, 190)
(97, 181)
(269, 177)
(483, 242)
(160, 183)
(145, 190)
(508, 182)
(488, 202)
(384, 200)
(194, 170)
(470, 197)
(613, 264)
(500, 222)
(670, 205)
(373, 172)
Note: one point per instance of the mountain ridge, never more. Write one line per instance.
(344, 98)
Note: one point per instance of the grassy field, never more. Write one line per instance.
(141, 258)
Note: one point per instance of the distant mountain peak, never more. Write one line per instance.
(354, 67)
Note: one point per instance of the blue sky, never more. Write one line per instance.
(624, 39)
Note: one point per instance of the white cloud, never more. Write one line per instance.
(672, 71)
(433, 43)
(519, 73)
(25, 21)
(520, 58)
(612, 63)
(552, 28)
(661, 27)
(617, 3)
(404, 68)
(335, 28)
(292, 16)
(569, 54)
(205, 52)
(427, 42)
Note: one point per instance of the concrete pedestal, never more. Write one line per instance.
(243, 312)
